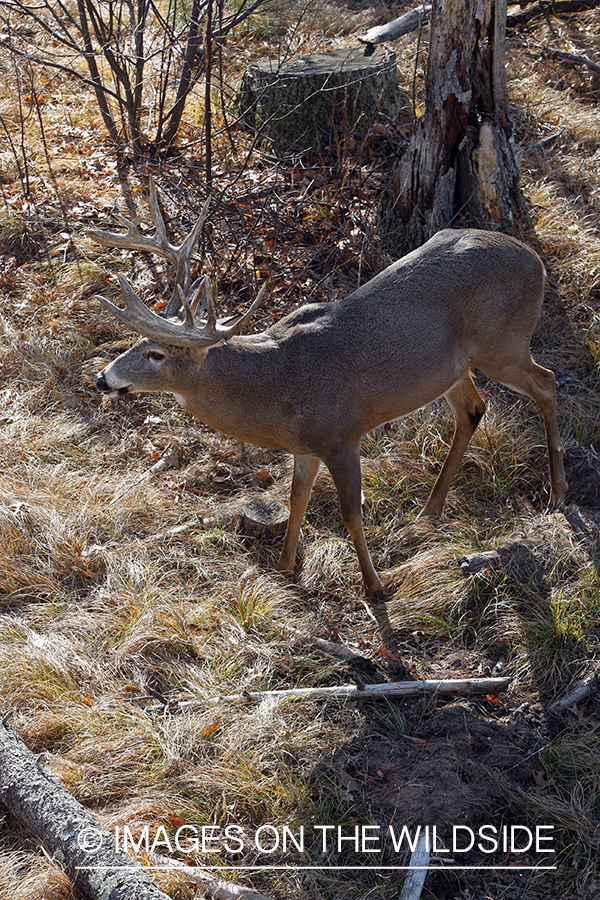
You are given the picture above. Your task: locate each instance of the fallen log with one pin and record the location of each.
(579, 693)
(66, 830)
(555, 9)
(419, 860)
(210, 886)
(460, 686)
(404, 24)
(339, 650)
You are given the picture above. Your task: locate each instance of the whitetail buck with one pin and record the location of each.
(322, 377)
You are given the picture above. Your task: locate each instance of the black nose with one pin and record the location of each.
(101, 382)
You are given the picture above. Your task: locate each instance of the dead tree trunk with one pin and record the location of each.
(461, 165)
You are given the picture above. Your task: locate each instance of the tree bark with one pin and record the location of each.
(66, 829)
(461, 166)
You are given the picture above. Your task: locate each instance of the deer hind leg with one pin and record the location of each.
(345, 470)
(305, 472)
(540, 384)
(468, 407)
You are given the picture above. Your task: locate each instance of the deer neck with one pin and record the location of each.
(233, 389)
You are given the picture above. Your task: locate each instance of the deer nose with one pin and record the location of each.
(101, 382)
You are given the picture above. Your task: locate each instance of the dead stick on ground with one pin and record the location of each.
(580, 692)
(461, 686)
(66, 830)
(219, 890)
(395, 29)
(419, 860)
(575, 59)
(339, 650)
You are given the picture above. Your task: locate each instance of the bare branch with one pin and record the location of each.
(395, 29)
(461, 686)
(576, 59)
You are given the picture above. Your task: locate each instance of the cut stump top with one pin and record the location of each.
(302, 103)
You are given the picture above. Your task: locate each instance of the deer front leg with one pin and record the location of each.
(305, 472)
(345, 470)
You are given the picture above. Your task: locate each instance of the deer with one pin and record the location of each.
(319, 379)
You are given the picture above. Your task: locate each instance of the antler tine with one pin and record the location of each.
(157, 218)
(189, 315)
(190, 240)
(211, 316)
(137, 316)
(184, 262)
(179, 256)
(196, 296)
(135, 240)
(243, 320)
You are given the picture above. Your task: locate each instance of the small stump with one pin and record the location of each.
(312, 101)
(263, 518)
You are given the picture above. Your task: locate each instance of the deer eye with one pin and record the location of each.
(156, 356)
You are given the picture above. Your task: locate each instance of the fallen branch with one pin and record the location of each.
(462, 686)
(558, 8)
(419, 860)
(579, 693)
(339, 650)
(212, 887)
(470, 563)
(404, 24)
(66, 830)
(575, 58)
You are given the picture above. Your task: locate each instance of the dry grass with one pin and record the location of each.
(125, 591)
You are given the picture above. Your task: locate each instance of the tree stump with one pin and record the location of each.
(263, 518)
(314, 101)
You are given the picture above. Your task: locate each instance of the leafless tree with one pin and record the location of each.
(124, 50)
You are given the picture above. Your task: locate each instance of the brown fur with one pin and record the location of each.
(322, 377)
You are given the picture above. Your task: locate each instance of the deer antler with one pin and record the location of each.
(187, 296)
(190, 332)
(180, 256)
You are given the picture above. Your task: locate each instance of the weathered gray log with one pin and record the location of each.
(553, 8)
(419, 860)
(470, 563)
(264, 518)
(461, 686)
(395, 29)
(210, 886)
(66, 830)
(311, 101)
(520, 556)
(339, 650)
(579, 693)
